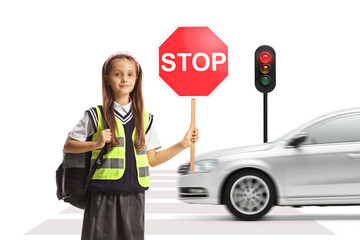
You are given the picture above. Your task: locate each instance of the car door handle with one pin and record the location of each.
(354, 156)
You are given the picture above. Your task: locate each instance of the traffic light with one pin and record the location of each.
(265, 69)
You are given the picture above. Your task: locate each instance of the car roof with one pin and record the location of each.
(340, 112)
(319, 119)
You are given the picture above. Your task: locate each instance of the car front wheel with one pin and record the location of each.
(249, 195)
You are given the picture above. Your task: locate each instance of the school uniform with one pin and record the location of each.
(115, 208)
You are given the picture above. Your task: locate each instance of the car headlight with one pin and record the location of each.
(204, 166)
(200, 166)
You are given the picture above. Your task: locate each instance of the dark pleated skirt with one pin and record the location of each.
(114, 216)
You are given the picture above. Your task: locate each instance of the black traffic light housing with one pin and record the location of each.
(265, 69)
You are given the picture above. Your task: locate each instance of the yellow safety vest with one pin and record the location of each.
(114, 165)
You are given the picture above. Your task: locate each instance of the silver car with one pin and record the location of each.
(317, 164)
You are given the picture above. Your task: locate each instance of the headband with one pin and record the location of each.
(123, 53)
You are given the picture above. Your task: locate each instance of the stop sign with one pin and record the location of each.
(193, 61)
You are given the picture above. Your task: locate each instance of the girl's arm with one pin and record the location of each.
(74, 146)
(156, 158)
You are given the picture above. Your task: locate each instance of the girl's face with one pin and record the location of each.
(122, 77)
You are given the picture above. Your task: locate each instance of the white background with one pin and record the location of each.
(51, 54)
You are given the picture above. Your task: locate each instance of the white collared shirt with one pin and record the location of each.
(123, 110)
(84, 128)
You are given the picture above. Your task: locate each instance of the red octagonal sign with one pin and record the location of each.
(193, 61)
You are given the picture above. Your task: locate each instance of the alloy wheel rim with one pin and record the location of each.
(249, 195)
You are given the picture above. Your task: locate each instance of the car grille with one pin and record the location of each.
(192, 192)
(183, 169)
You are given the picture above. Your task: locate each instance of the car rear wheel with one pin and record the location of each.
(249, 195)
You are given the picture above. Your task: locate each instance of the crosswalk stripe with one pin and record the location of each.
(163, 180)
(165, 175)
(161, 194)
(154, 171)
(162, 177)
(189, 224)
(167, 208)
(162, 184)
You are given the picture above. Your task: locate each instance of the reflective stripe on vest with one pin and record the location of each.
(114, 165)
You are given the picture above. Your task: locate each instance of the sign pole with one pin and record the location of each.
(192, 146)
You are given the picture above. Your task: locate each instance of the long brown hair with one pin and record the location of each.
(136, 98)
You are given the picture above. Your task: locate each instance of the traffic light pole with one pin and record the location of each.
(265, 118)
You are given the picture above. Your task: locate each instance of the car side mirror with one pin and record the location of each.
(298, 139)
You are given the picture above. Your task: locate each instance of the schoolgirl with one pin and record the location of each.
(115, 207)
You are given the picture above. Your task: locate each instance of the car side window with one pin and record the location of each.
(339, 130)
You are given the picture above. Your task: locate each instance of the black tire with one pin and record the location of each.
(249, 195)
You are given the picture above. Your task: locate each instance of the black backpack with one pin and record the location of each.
(73, 176)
